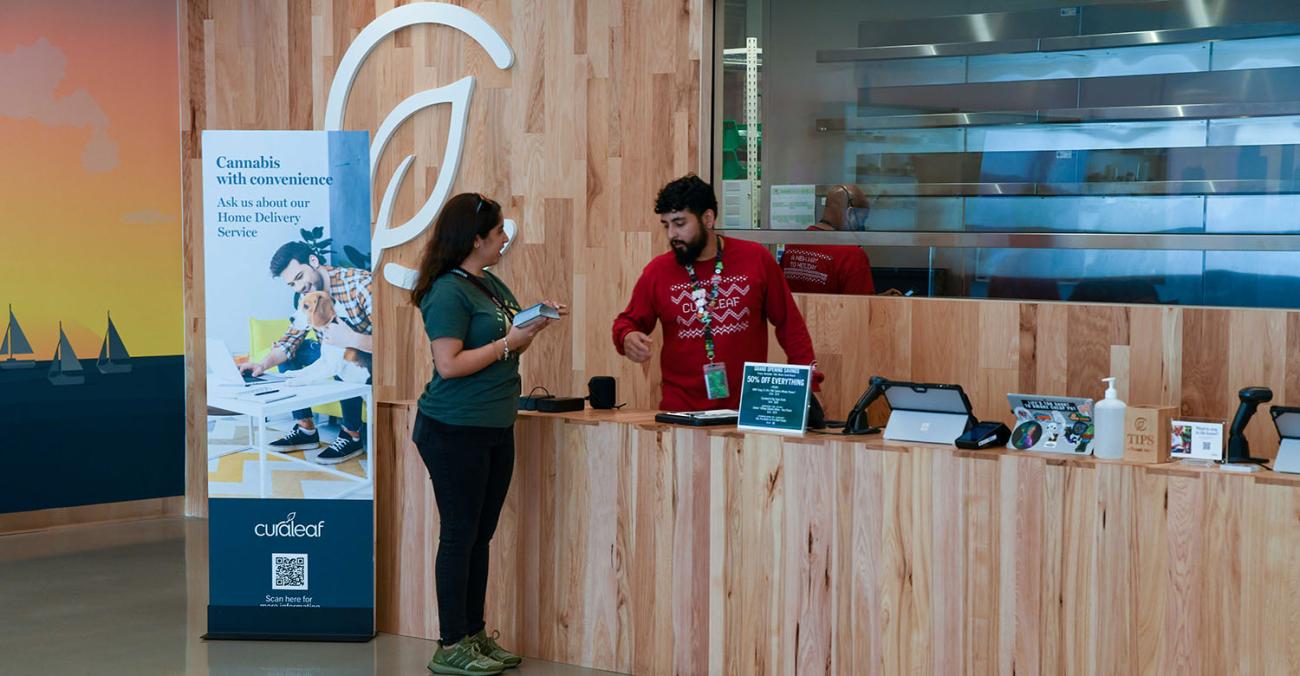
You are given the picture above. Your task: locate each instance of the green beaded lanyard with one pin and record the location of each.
(703, 308)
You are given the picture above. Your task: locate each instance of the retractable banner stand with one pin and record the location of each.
(289, 312)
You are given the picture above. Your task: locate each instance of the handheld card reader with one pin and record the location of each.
(710, 418)
(534, 313)
(984, 434)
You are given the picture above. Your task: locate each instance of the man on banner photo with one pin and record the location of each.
(298, 266)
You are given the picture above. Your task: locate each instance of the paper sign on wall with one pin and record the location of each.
(792, 207)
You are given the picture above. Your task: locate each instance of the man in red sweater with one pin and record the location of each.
(714, 297)
(828, 268)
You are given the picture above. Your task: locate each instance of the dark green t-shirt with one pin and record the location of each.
(456, 308)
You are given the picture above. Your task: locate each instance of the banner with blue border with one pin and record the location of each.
(289, 346)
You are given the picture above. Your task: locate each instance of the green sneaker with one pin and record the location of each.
(488, 646)
(464, 659)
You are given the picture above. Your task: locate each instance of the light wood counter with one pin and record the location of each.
(636, 547)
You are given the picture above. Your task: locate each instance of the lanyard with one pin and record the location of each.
(505, 309)
(703, 308)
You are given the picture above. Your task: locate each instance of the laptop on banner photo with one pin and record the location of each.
(223, 370)
(1051, 424)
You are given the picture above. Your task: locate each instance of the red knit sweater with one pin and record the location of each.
(753, 292)
(823, 268)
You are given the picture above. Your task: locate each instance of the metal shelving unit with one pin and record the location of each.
(1059, 44)
(981, 121)
(1029, 240)
(1145, 139)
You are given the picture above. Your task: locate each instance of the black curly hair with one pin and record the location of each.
(289, 252)
(689, 193)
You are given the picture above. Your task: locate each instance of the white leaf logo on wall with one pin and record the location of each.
(457, 94)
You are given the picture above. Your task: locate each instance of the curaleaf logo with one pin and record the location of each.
(457, 94)
(289, 529)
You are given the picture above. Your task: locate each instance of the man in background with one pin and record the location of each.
(826, 268)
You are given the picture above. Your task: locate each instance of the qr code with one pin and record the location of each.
(288, 571)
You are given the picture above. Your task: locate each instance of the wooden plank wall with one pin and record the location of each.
(601, 107)
(1197, 358)
(640, 549)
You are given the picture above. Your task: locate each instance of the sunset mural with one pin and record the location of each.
(90, 224)
(90, 173)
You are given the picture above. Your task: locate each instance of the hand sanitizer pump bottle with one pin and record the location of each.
(1109, 423)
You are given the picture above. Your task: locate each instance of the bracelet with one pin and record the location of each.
(505, 348)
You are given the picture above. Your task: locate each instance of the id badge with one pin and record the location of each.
(715, 381)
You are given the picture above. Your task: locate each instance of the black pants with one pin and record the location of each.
(470, 468)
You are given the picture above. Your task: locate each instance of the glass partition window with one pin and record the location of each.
(1149, 120)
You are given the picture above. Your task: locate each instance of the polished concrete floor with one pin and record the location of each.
(131, 598)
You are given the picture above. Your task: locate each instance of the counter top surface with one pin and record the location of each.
(638, 547)
(645, 419)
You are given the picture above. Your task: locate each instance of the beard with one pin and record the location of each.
(687, 252)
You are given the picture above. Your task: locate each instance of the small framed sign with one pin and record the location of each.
(1196, 440)
(774, 397)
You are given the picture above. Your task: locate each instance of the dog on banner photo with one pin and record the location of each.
(316, 311)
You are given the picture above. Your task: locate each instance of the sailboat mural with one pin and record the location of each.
(15, 343)
(113, 357)
(65, 369)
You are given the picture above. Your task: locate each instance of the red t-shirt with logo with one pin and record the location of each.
(752, 293)
(823, 268)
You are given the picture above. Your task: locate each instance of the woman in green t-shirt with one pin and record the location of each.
(465, 429)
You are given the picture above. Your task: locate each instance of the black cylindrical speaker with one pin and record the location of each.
(600, 392)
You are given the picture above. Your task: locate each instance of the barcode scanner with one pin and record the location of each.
(1238, 445)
